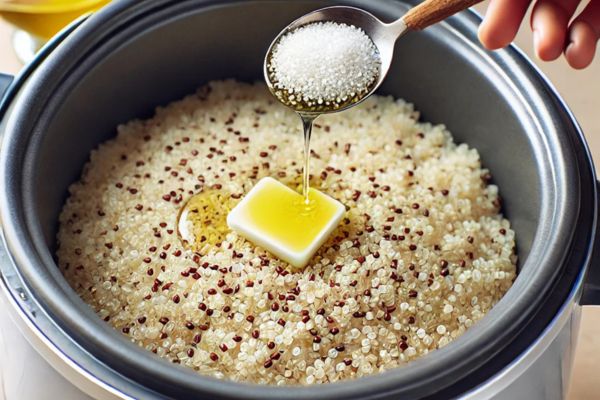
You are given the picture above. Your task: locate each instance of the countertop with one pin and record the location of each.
(581, 90)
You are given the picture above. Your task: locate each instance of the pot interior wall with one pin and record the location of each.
(441, 75)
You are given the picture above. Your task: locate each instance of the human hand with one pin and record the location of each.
(554, 31)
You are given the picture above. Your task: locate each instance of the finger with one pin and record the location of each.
(501, 22)
(549, 22)
(584, 33)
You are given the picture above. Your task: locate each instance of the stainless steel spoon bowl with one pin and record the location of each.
(382, 34)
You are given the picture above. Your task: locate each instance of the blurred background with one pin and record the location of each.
(26, 24)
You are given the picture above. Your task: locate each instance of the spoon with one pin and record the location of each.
(383, 35)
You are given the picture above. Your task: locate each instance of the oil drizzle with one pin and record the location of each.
(202, 221)
(307, 124)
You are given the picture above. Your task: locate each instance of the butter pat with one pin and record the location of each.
(278, 219)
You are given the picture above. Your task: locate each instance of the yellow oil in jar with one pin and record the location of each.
(45, 18)
(284, 214)
(202, 221)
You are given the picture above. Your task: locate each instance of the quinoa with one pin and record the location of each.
(421, 254)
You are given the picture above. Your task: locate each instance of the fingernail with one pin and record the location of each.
(536, 41)
(572, 41)
(575, 32)
(569, 47)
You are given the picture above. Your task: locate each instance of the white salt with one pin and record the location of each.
(325, 62)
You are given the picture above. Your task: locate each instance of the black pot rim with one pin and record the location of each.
(561, 148)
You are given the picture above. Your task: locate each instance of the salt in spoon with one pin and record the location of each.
(383, 35)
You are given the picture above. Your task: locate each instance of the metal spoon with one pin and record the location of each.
(383, 35)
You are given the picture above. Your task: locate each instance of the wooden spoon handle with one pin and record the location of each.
(431, 11)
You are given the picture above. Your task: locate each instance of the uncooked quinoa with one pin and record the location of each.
(420, 256)
(323, 64)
